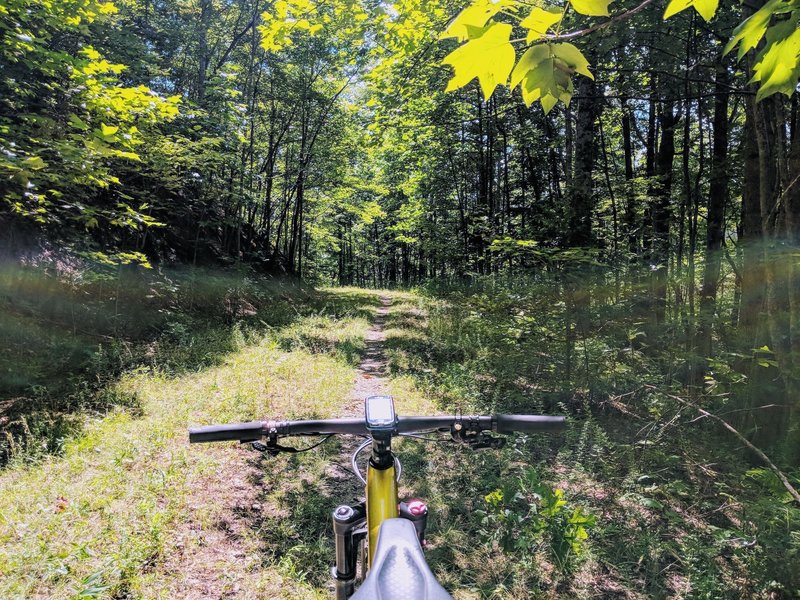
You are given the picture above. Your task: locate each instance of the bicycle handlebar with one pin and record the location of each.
(527, 423)
(233, 432)
(255, 430)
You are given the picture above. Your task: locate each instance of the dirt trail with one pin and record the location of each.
(205, 545)
(371, 379)
(373, 370)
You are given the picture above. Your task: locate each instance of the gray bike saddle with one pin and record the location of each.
(399, 570)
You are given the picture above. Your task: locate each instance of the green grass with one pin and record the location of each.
(105, 517)
(124, 507)
(69, 336)
(100, 519)
(125, 480)
(678, 514)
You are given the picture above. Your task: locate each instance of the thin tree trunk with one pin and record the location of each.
(580, 222)
(717, 199)
(661, 192)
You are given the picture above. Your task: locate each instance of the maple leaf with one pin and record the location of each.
(704, 8)
(539, 21)
(489, 57)
(473, 18)
(591, 8)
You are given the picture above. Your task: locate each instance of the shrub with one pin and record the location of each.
(526, 514)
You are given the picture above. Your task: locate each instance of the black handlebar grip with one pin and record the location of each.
(235, 432)
(528, 423)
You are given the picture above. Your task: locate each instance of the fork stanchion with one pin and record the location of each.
(346, 519)
(416, 511)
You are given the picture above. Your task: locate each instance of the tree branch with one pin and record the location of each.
(615, 19)
(234, 42)
(765, 459)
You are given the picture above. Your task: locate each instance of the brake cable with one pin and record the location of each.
(354, 462)
(439, 440)
(273, 448)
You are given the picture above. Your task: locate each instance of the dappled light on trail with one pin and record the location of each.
(127, 491)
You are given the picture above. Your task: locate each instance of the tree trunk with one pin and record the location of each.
(580, 221)
(660, 193)
(203, 56)
(630, 194)
(717, 199)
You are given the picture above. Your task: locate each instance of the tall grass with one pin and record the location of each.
(682, 511)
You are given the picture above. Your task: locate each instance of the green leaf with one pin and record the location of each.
(548, 102)
(77, 122)
(778, 69)
(751, 30)
(541, 78)
(474, 17)
(108, 130)
(592, 8)
(529, 60)
(650, 503)
(34, 163)
(539, 21)
(489, 57)
(705, 8)
(573, 58)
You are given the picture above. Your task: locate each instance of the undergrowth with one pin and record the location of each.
(677, 508)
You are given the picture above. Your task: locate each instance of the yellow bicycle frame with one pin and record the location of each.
(382, 502)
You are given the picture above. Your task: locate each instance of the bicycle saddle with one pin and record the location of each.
(399, 570)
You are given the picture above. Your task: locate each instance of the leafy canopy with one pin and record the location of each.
(544, 70)
(63, 166)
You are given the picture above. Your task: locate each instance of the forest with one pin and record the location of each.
(588, 208)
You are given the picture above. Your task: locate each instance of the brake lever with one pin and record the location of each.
(273, 449)
(474, 438)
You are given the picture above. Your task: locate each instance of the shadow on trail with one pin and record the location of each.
(296, 496)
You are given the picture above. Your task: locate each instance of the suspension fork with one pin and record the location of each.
(349, 531)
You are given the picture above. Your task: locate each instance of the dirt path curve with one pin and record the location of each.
(372, 373)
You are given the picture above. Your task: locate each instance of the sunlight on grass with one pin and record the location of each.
(99, 520)
(132, 510)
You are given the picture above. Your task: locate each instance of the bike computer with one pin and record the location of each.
(379, 413)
